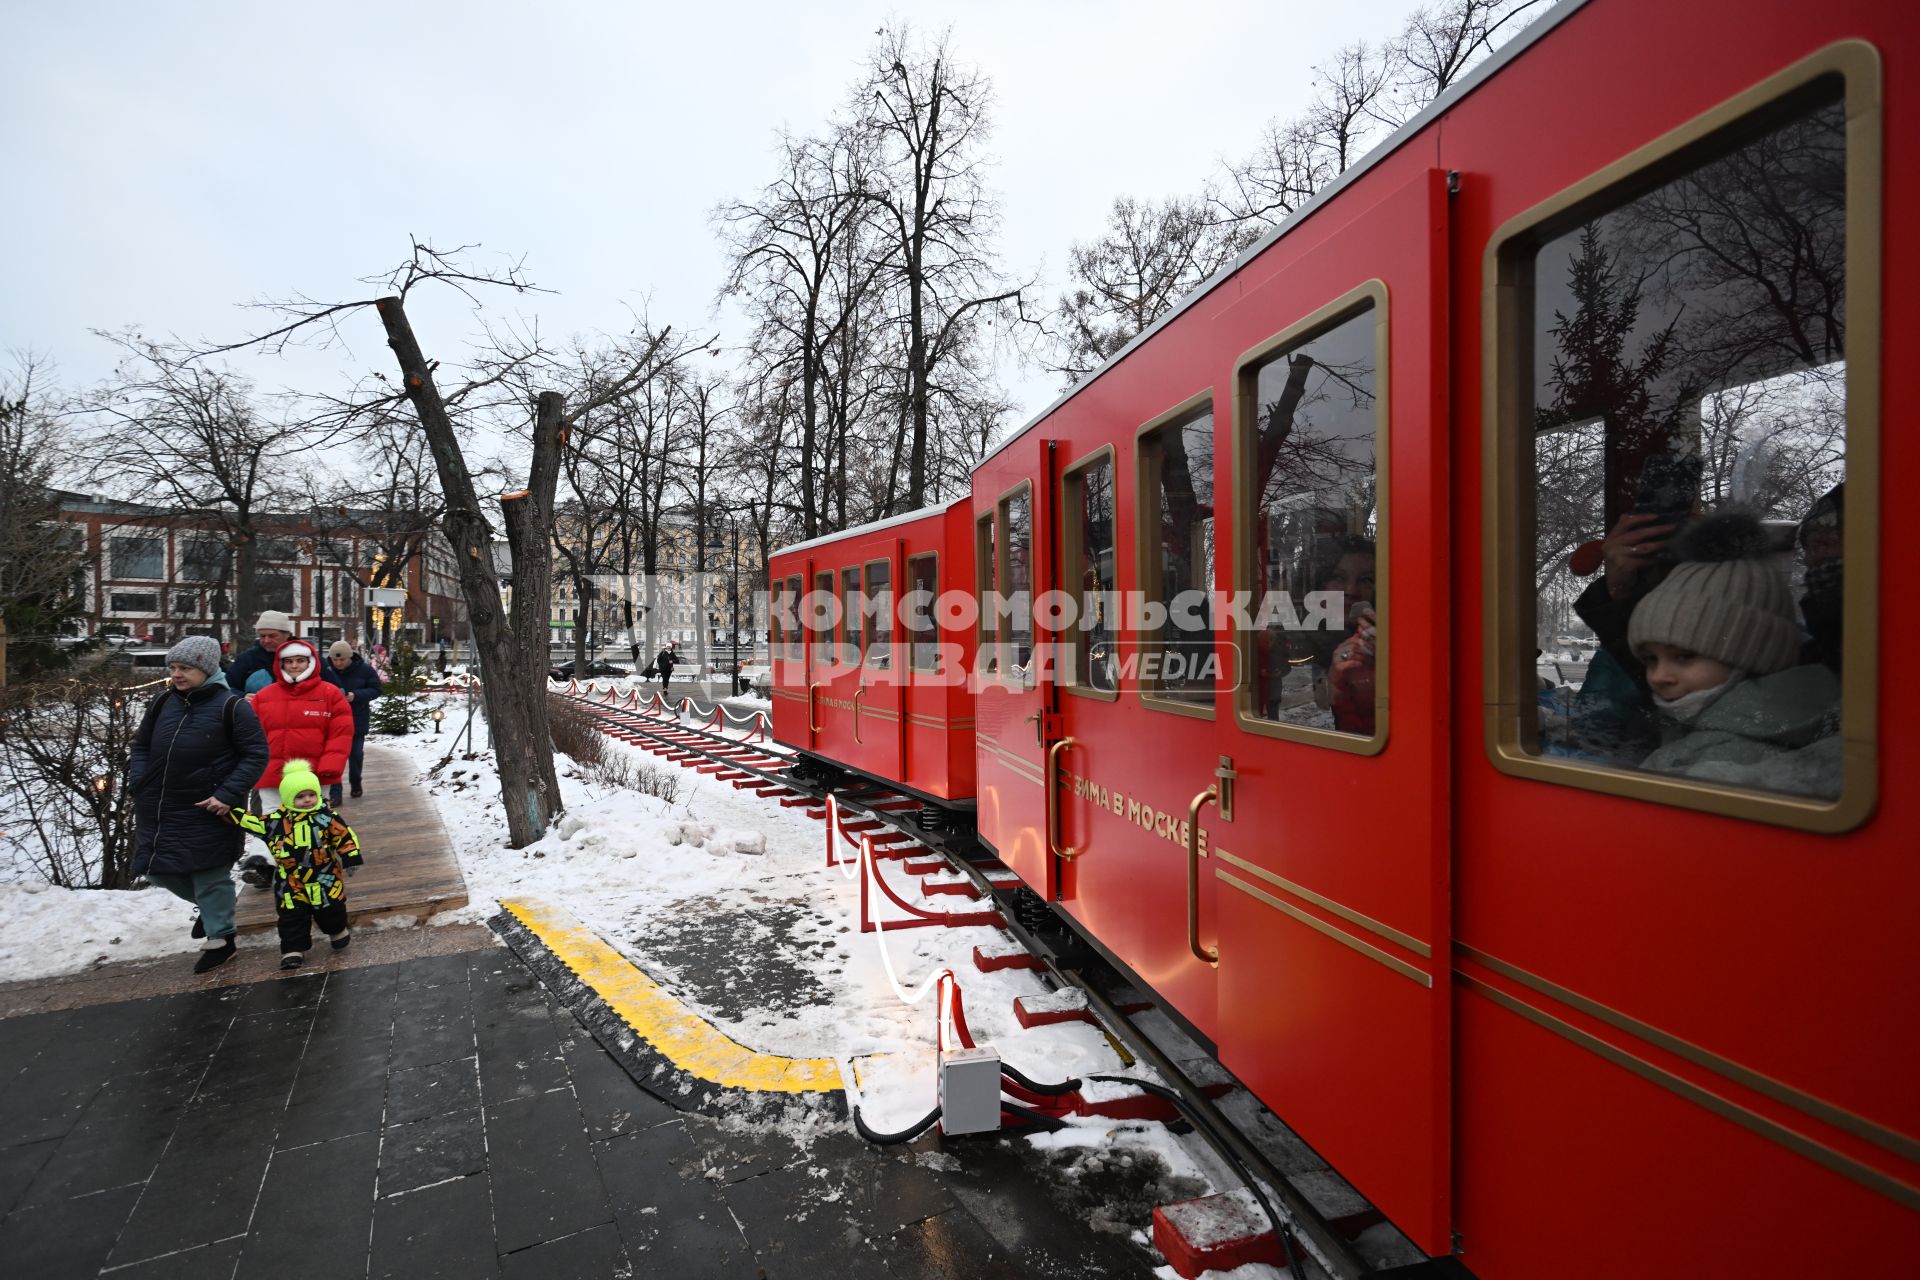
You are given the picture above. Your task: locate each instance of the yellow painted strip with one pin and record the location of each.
(683, 1037)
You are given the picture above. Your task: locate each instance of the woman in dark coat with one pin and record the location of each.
(197, 753)
(354, 676)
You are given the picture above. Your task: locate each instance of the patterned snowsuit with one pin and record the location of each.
(311, 853)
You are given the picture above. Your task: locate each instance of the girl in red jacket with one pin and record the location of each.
(305, 718)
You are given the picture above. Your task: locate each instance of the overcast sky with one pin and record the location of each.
(163, 163)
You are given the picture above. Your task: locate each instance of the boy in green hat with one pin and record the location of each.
(313, 854)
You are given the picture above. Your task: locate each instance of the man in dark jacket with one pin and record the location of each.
(273, 630)
(355, 677)
(197, 754)
(665, 664)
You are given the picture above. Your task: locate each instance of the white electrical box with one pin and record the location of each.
(970, 1090)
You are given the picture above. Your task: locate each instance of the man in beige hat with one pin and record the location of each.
(273, 630)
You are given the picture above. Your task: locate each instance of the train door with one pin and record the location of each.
(877, 694)
(1324, 812)
(1012, 570)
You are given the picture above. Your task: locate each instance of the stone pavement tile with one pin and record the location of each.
(798, 1223)
(315, 1209)
(594, 1254)
(729, 1155)
(257, 1074)
(431, 1024)
(435, 972)
(111, 1151)
(42, 1103)
(207, 1262)
(437, 1233)
(423, 1152)
(696, 1241)
(414, 1093)
(19, 1166)
(949, 1246)
(302, 990)
(67, 1239)
(204, 1186)
(544, 1179)
(653, 1170)
(609, 1099)
(321, 1114)
(882, 1192)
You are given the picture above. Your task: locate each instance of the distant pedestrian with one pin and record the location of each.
(664, 664)
(304, 717)
(198, 750)
(314, 853)
(251, 671)
(360, 683)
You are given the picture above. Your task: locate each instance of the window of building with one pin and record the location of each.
(879, 602)
(278, 551)
(1309, 443)
(138, 556)
(147, 602)
(185, 604)
(275, 591)
(1178, 666)
(923, 590)
(1675, 347)
(1087, 540)
(203, 560)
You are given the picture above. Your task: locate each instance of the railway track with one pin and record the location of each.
(900, 828)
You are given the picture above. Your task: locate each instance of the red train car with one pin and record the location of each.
(1570, 981)
(877, 690)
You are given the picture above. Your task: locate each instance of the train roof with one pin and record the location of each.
(1560, 12)
(874, 526)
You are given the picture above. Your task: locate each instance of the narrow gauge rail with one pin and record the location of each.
(890, 819)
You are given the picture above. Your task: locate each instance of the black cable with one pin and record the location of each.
(1038, 1119)
(1280, 1229)
(1020, 1078)
(892, 1139)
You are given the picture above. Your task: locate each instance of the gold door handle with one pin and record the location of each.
(813, 724)
(1053, 800)
(858, 693)
(1039, 739)
(1209, 954)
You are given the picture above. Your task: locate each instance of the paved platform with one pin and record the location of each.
(410, 869)
(446, 1117)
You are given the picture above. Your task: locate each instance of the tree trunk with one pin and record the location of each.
(512, 665)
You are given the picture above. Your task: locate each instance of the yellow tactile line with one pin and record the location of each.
(681, 1036)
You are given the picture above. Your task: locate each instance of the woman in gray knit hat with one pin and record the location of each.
(1721, 643)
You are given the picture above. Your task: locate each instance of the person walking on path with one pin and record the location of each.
(305, 718)
(664, 664)
(314, 853)
(252, 671)
(356, 678)
(198, 750)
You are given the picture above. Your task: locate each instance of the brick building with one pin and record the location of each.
(152, 572)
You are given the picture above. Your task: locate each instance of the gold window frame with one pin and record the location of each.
(933, 621)
(1146, 542)
(1507, 359)
(1372, 294)
(1070, 507)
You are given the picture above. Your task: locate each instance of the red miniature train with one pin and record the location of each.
(1384, 810)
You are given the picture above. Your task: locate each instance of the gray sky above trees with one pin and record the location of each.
(165, 163)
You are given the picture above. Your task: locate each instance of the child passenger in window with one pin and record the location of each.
(1721, 641)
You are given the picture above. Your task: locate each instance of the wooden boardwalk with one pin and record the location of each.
(410, 869)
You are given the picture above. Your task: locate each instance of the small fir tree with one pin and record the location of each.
(401, 709)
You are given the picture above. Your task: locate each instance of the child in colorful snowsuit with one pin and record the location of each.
(313, 854)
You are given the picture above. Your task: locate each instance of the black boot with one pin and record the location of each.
(199, 929)
(291, 960)
(216, 957)
(356, 791)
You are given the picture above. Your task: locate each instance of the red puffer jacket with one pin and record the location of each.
(311, 720)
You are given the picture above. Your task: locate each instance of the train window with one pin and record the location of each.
(795, 643)
(1682, 561)
(1016, 584)
(853, 613)
(776, 633)
(820, 618)
(988, 661)
(1310, 438)
(1177, 661)
(1087, 536)
(879, 603)
(923, 589)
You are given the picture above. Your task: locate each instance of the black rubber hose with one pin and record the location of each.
(1280, 1229)
(893, 1139)
(1039, 1120)
(1020, 1078)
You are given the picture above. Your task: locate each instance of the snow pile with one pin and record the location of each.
(53, 931)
